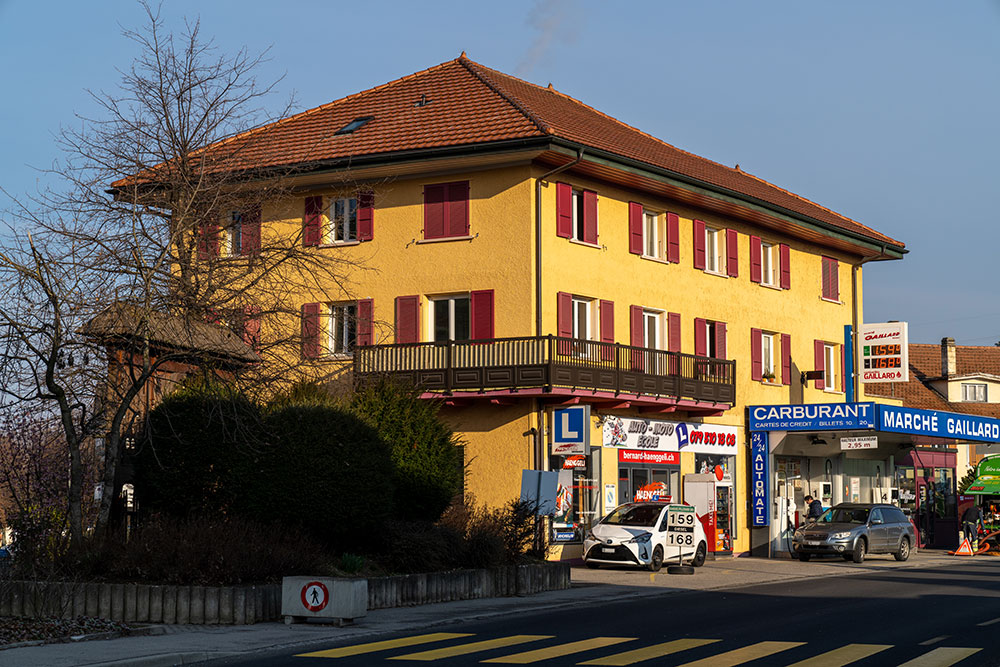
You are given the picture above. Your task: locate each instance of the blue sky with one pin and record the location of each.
(886, 112)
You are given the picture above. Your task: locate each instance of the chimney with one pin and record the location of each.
(947, 357)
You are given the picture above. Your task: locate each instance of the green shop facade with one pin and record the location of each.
(861, 452)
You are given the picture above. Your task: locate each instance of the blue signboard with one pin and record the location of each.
(759, 482)
(571, 430)
(934, 423)
(815, 417)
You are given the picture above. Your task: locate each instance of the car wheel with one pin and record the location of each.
(903, 552)
(859, 550)
(699, 555)
(656, 562)
(591, 564)
(805, 557)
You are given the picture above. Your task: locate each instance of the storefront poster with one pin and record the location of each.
(759, 491)
(564, 517)
(719, 466)
(610, 497)
(667, 436)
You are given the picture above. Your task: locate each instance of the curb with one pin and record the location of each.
(139, 631)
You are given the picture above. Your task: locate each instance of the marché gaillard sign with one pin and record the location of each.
(812, 417)
(934, 423)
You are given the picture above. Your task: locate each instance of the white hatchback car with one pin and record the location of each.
(636, 534)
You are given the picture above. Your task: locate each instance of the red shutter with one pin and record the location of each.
(786, 269)
(700, 337)
(251, 327)
(755, 268)
(732, 254)
(564, 320)
(756, 354)
(407, 319)
(434, 211)
(636, 338)
(786, 359)
(635, 228)
(311, 221)
(458, 209)
(674, 332)
(564, 210)
(720, 340)
(250, 232)
(673, 238)
(699, 244)
(834, 280)
(608, 330)
(843, 380)
(589, 217)
(310, 330)
(481, 314)
(366, 216)
(208, 240)
(366, 311)
(818, 362)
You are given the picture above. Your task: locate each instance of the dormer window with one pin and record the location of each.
(355, 124)
(973, 392)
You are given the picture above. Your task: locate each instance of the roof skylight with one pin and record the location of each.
(355, 124)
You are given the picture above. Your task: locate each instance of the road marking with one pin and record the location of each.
(465, 649)
(559, 651)
(995, 620)
(844, 655)
(372, 647)
(941, 657)
(650, 652)
(934, 640)
(745, 654)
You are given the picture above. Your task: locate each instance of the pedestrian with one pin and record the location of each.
(814, 509)
(972, 519)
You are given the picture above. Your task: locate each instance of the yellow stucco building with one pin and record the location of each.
(517, 253)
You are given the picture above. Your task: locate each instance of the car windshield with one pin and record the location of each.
(633, 515)
(845, 515)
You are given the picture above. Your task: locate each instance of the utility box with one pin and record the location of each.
(339, 600)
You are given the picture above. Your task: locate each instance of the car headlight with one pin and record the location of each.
(841, 536)
(641, 537)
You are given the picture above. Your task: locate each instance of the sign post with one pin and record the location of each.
(680, 531)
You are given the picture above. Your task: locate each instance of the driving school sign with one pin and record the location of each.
(667, 436)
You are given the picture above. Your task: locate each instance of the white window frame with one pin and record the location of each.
(338, 228)
(341, 328)
(715, 250)
(652, 235)
(768, 264)
(977, 391)
(232, 235)
(451, 300)
(652, 318)
(767, 357)
(584, 311)
(831, 360)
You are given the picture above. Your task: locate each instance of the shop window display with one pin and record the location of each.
(577, 496)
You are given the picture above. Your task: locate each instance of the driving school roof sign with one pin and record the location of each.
(815, 417)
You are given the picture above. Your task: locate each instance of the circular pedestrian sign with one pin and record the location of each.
(315, 596)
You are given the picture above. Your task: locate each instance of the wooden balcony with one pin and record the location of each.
(556, 368)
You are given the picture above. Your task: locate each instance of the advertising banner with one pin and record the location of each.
(667, 436)
(813, 417)
(759, 492)
(883, 352)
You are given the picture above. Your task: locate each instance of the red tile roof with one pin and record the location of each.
(925, 367)
(467, 104)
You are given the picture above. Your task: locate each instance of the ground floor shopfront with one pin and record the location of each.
(854, 452)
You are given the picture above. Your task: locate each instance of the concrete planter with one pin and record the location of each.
(241, 605)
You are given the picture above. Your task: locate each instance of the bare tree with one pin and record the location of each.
(113, 280)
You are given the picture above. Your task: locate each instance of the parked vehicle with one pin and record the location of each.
(853, 530)
(636, 534)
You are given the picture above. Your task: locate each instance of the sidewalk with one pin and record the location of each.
(188, 644)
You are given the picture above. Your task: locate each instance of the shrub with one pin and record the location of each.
(420, 546)
(425, 452)
(194, 441)
(325, 470)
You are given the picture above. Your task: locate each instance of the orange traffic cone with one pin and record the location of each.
(964, 550)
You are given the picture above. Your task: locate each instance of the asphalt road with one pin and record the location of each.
(926, 617)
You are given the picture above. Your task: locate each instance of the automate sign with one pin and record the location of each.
(818, 417)
(666, 436)
(951, 425)
(883, 352)
(759, 483)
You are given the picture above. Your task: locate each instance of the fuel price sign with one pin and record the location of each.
(883, 353)
(680, 525)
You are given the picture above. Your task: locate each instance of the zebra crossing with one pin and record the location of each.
(537, 649)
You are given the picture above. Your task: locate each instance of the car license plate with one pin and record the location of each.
(607, 550)
(813, 543)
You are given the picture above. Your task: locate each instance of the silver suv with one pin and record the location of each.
(853, 530)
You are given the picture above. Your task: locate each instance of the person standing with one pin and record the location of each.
(815, 509)
(972, 519)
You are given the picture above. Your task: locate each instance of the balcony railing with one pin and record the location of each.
(547, 362)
